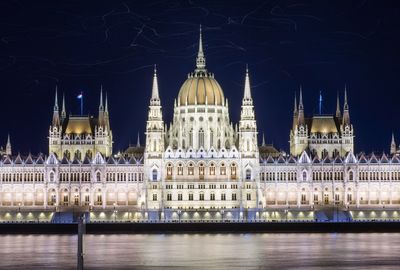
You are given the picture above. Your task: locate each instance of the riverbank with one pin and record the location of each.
(212, 227)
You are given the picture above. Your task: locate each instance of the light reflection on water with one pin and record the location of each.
(204, 251)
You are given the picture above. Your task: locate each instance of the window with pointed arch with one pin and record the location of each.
(248, 174)
(222, 169)
(51, 176)
(98, 177)
(190, 169)
(78, 154)
(201, 170)
(180, 169)
(191, 138)
(169, 171)
(211, 138)
(212, 169)
(304, 176)
(154, 175)
(233, 171)
(201, 138)
(351, 176)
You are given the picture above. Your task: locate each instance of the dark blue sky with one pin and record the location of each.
(79, 45)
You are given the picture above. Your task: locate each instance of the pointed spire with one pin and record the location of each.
(338, 113)
(200, 60)
(247, 92)
(63, 112)
(301, 108)
(346, 113)
(8, 146)
(295, 104)
(106, 104)
(101, 106)
(263, 140)
(56, 100)
(345, 105)
(155, 97)
(393, 149)
(56, 116)
(138, 140)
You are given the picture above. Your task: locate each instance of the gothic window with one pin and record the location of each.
(222, 169)
(180, 169)
(211, 137)
(190, 169)
(248, 174)
(154, 175)
(351, 176)
(51, 177)
(219, 144)
(201, 169)
(67, 154)
(324, 153)
(169, 170)
(191, 138)
(201, 138)
(89, 154)
(98, 177)
(227, 145)
(212, 169)
(233, 170)
(304, 176)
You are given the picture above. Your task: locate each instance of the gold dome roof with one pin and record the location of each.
(198, 87)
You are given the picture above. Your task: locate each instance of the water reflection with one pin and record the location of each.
(202, 251)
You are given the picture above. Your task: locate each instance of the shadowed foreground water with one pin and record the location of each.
(204, 251)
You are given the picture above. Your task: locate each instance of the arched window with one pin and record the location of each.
(304, 176)
(98, 177)
(154, 175)
(351, 176)
(233, 170)
(67, 154)
(201, 138)
(190, 169)
(219, 144)
(51, 177)
(248, 174)
(183, 144)
(211, 138)
(191, 138)
(78, 154)
(227, 144)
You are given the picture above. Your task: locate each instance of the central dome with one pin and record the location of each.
(200, 87)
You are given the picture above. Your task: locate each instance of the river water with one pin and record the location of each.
(204, 251)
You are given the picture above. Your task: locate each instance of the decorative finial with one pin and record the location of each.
(200, 60)
(247, 90)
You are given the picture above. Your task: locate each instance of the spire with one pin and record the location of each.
(138, 140)
(247, 92)
(101, 106)
(106, 104)
(155, 97)
(295, 112)
(56, 116)
(8, 146)
(338, 113)
(346, 113)
(63, 112)
(295, 104)
(263, 140)
(200, 60)
(56, 100)
(393, 149)
(301, 108)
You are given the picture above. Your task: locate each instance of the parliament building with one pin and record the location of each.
(201, 166)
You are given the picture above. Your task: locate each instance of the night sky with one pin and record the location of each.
(79, 45)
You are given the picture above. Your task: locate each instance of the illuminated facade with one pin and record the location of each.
(201, 166)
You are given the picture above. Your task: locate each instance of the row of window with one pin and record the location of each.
(191, 197)
(201, 186)
(22, 177)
